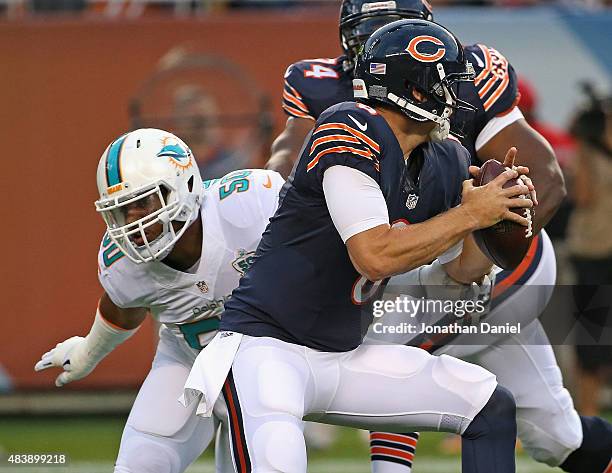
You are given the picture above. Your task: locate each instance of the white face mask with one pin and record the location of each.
(440, 131)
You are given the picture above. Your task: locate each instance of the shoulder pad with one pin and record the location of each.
(495, 80)
(119, 276)
(347, 130)
(245, 197)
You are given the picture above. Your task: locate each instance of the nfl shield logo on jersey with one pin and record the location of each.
(412, 201)
(202, 286)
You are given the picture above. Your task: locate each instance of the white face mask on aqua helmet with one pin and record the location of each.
(153, 170)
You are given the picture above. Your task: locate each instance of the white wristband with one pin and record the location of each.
(104, 338)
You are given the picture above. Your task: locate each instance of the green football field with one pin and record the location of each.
(91, 444)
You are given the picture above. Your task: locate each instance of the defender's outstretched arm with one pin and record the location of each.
(78, 356)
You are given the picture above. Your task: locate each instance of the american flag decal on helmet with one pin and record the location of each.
(378, 68)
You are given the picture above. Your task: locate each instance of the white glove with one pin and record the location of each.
(78, 356)
(71, 356)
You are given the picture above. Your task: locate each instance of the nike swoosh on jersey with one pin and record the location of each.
(361, 126)
(478, 60)
(268, 183)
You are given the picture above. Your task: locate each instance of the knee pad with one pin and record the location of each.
(279, 448)
(548, 425)
(143, 456)
(271, 380)
(470, 383)
(551, 435)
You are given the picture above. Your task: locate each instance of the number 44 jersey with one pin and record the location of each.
(235, 212)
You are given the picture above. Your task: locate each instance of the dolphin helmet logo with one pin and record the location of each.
(178, 154)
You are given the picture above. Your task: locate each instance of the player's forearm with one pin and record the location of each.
(281, 162)
(550, 185)
(78, 356)
(285, 149)
(104, 337)
(471, 265)
(390, 251)
(126, 319)
(537, 154)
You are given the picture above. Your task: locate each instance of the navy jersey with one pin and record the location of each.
(302, 287)
(494, 92)
(313, 86)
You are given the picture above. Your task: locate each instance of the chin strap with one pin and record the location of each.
(441, 131)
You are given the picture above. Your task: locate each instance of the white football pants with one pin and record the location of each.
(161, 436)
(274, 385)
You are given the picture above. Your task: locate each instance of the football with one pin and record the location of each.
(505, 243)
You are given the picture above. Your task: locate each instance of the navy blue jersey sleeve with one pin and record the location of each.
(495, 81)
(294, 104)
(311, 86)
(344, 137)
(463, 162)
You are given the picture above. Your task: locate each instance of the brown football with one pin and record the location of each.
(505, 243)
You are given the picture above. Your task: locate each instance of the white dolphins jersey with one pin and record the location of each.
(235, 212)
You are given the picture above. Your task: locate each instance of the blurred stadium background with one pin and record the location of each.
(77, 73)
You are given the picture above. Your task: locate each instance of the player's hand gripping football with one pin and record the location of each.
(70, 355)
(491, 203)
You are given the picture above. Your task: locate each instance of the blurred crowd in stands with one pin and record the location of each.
(588, 239)
(581, 229)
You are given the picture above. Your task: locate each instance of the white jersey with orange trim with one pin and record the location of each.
(235, 212)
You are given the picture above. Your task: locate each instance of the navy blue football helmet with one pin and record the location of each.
(360, 18)
(409, 55)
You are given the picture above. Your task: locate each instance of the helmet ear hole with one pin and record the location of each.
(164, 194)
(190, 184)
(415, 92)
(418, 95)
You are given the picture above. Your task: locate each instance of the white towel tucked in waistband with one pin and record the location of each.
(209, 372)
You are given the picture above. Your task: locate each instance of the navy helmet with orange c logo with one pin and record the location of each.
(409, 55)
(360, 18)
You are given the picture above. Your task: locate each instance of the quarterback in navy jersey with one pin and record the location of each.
(302, 234)
(289, 347)
(574, 443)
